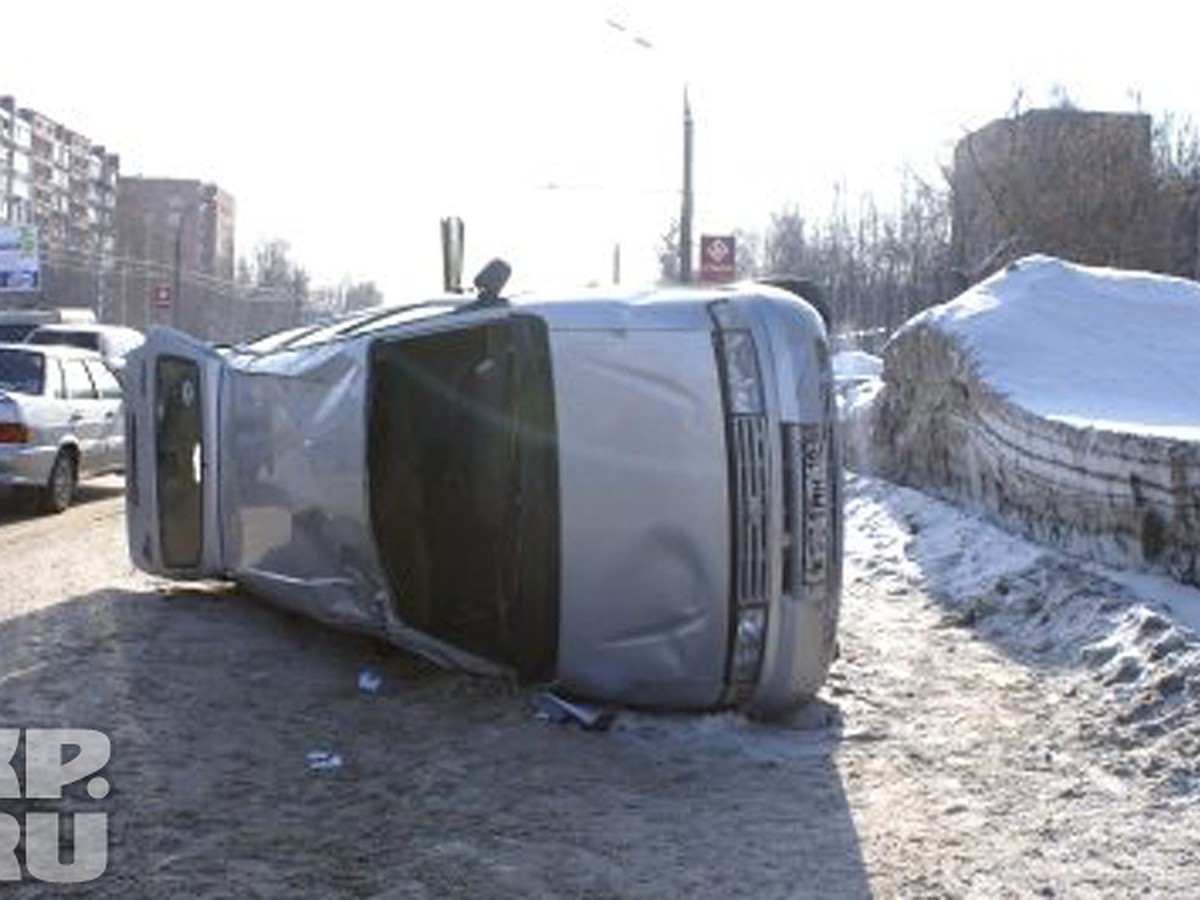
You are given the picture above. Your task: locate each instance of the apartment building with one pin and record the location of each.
(183, 224)
(175, 243)
(59, 180)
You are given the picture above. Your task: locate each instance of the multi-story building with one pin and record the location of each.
(177, 222)
(62, 182)
(176, 238)
(1080, 185)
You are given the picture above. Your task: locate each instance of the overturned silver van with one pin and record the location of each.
(636, 498)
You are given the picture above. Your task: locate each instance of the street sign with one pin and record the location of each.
(160, 296)
(718, 257)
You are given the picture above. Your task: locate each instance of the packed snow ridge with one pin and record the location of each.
(1091, 347)
(1061, 400)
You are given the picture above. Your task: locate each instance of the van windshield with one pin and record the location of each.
(463, 487)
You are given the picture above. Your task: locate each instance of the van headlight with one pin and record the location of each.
(748, 643)
(743, 381)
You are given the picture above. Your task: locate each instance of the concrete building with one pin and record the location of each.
(1074, 184)
(176, 238)
(59, 180)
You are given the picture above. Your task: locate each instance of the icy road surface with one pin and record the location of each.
(1003, 722)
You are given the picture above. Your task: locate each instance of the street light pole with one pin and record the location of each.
(685, 212)
(687, 209)
(177, 280)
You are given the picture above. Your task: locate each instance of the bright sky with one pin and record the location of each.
(350, 128)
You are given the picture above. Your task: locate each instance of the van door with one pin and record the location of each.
(172, 466)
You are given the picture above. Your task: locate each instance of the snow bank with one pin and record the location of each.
(1061, 399)
(1132, 637)
(1095, 348)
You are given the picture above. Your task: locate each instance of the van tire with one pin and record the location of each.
(60, 489)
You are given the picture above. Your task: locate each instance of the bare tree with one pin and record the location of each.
(668, 255)
(363, 295)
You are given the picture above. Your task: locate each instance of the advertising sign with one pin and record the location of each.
(718, 257)
(18, 258)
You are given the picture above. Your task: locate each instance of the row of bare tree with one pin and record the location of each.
(878, 267)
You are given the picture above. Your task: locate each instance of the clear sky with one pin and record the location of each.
(349, 128)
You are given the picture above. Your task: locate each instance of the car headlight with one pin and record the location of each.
(743, 381)
(748, 643)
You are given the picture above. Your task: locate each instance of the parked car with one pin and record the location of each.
(16, 324)
(60, 420)
(636, 498)
(112, 342)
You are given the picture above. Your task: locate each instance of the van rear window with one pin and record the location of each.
(84, 340)
(22, 371)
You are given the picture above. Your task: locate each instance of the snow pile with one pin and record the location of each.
(1095, 348)
(1061, 399)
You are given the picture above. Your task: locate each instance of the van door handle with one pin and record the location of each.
(76, 416)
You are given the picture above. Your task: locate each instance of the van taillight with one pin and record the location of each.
(14, 433)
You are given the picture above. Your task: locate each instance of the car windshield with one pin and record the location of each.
(84, 340)
(22, 371)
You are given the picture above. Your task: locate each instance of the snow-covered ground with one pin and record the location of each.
(1094, 349)
(984, 734)
(1004, 721)
(1134, 637)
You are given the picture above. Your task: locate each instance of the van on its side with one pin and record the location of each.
(635, 497)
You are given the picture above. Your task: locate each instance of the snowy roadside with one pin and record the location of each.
(1126, 640)
(1129, 638)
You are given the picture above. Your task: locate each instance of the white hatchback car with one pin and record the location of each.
(60, 420)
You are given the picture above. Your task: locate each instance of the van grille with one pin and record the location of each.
(751, 491)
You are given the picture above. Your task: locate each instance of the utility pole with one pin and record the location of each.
(685, 213)
(177, 271)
